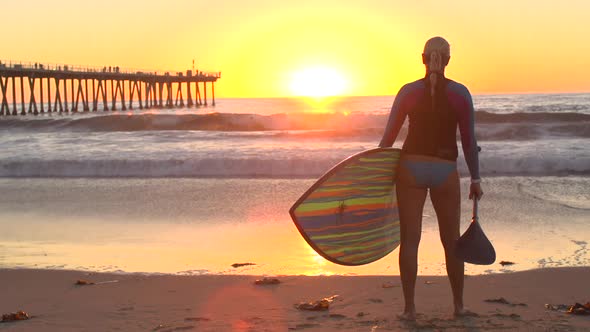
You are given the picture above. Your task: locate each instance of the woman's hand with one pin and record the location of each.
(475, 191)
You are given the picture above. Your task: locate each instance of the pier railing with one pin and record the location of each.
(9, 64)
(94, 88)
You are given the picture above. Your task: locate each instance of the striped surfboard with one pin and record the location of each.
(349, 216)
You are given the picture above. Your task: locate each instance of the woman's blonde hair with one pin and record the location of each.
(436, 55)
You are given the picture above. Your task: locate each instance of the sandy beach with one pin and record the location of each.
(136, 302)
(142, 190)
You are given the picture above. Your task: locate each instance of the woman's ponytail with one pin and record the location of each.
(434, 66)
(437, 52)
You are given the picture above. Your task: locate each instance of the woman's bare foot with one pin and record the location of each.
(407, 316)
(464, 313)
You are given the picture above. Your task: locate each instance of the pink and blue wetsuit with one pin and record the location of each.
(433, 125)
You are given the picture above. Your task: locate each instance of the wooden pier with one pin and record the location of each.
(38, 88)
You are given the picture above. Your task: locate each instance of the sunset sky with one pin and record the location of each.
(275, 48)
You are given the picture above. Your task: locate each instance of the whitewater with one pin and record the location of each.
(540, 135)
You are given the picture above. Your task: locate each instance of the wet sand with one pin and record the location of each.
(204, 225)
(139, 302)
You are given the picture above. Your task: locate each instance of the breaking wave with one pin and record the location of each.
(505, 165)
(490, 126)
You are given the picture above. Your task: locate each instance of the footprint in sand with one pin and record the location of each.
(337, 316)
(513, 316)
(197, 319)
(502, 300)
(162, 328)
(127, 309)
(375, 300)
(303, 326)
(254, 320)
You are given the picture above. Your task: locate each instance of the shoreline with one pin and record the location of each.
(236, 273)
(137, 302)
(176, 225)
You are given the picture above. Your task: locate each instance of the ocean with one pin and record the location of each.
(194, 190)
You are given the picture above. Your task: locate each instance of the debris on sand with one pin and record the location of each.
(236, 265)
(504, 263)
(81, 282)
(159, 327)
(576, 309)
(267, 281)
(557, 307)
(579, 309)
(320, 305)
(502, 300)
(389, 284)
(498, 300)
(14, 316)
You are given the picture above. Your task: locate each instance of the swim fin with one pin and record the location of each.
(473, 246)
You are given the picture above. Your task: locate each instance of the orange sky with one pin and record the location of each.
(261, 46)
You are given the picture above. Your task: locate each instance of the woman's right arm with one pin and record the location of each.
(396, 119)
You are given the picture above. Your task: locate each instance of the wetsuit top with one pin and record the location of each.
(433, 121)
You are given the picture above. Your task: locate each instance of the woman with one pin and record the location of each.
(435, 107)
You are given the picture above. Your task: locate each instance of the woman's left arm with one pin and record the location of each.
(466, 117)
(468, 142)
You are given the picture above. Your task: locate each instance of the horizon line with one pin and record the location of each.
(393, 95)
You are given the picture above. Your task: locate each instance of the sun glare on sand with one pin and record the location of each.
(318, 82)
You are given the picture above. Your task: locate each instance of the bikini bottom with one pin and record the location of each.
(427, 174)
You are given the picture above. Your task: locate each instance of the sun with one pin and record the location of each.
(318, 82)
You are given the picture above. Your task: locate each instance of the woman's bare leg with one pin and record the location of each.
(446, 200)
(410, 204)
